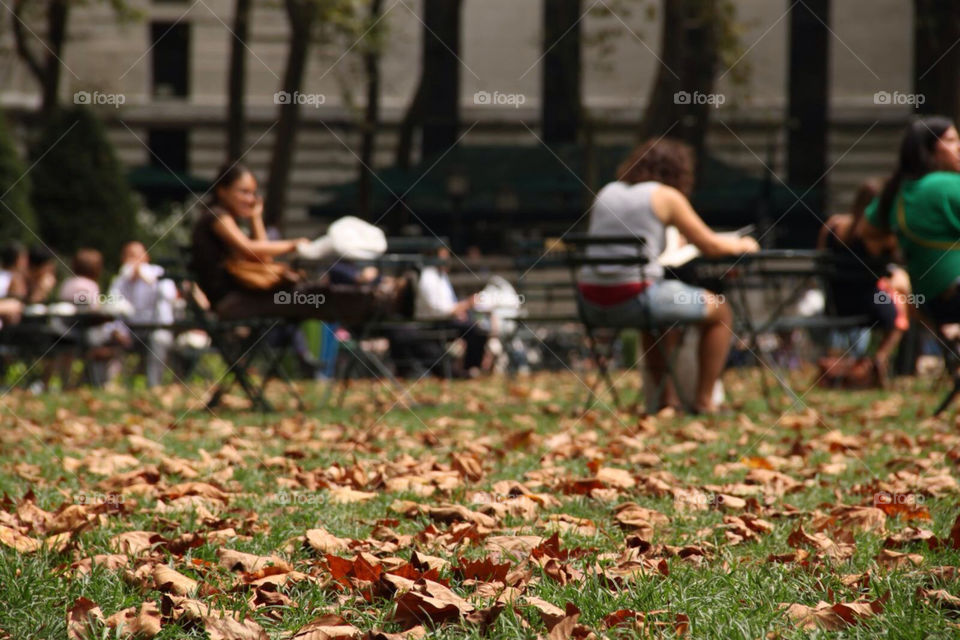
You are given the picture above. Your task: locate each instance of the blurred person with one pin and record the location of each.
(860, 289)
(41, 274)
(436, 300)
(220, 244)
(104, 340)
(83, 287)
(14, 264)
(151, 299)
(649, 195)
(920, 203)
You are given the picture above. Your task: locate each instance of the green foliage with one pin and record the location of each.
(16, 214)
(80, 193)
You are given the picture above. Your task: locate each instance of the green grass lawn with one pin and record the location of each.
(735, 518)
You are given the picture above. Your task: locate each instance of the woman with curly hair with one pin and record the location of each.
(649, 195)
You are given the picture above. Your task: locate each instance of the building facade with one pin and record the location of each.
(161, 80)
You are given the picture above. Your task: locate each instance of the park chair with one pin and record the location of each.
(601, 338)
(241, 343)
(948, 337)
(405, 257)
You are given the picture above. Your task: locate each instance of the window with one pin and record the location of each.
(171, 59)
(169, 149)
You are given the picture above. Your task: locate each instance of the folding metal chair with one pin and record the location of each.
(601, 350)
(240, 343)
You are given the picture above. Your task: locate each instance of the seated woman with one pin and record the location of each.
(920, 202)
(219, 240)
(864, 288)
(649, 195)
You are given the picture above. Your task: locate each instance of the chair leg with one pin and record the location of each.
(951, 363)
(602, 360)
(949, 398)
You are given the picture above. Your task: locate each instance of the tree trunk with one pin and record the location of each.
(809, 95)
(936, 59)
(57, 15)
(683, 94)
(560, 105)
(441, 65)
(301, 15)
(411, 119)
(371, 121)
(47, 70)
(236, 86)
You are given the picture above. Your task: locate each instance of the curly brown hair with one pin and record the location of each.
(663, 160)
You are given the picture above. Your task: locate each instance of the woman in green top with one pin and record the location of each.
(920, 202)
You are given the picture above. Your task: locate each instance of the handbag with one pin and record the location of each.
(256, 275)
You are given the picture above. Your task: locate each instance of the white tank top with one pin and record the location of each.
(623, 209)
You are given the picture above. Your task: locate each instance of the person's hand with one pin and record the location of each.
(749, 245)
(257, 210)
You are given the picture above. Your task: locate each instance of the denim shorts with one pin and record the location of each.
(663, 302)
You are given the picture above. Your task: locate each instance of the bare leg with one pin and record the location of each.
(715, 336)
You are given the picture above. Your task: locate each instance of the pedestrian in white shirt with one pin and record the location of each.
(436, 300)
(150, 298)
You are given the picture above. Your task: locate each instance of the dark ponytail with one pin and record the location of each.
(917, 151)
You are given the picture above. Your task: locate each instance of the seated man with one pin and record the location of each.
(436, 300)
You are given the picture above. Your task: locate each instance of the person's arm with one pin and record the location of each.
(672, 207)
(10, 310)
(18, 286)
(258, 231)
(834, 226)
(231, 233)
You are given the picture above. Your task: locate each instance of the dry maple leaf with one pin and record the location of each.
(939, 597)
(896, 560)
(247, 562)
(824, 545)
(16, 540)
(847, 519)
(429, 602)
(325, 542)
(833, 617)
(346, 495)
(328, 627)
(902, 506)
(144, 622)
(82, 615)
(219, 625)
(172, 581)
(134, 543)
